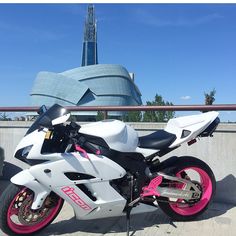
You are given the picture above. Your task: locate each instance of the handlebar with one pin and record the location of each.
(77, 139)
(88, 146)
(91, 148)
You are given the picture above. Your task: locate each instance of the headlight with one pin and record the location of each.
(22, 153)
(26, 151)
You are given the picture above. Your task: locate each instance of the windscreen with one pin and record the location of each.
(45, 119)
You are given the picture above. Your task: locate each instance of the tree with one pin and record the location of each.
(100, 116)
(3, 116)
(133, 116)
(210, 97)
(158, 116)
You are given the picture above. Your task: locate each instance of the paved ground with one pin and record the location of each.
(220, 219)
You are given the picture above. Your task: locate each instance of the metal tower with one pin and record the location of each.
(89, 56)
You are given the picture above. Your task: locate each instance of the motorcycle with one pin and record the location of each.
(103, 169)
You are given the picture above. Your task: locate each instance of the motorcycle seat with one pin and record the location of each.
(157, 140)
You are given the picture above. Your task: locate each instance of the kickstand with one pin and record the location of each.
(128, 219)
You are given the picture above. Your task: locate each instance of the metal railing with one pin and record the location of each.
(106, 109)
(218, 107)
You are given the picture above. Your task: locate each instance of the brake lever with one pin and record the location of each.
(81, 150)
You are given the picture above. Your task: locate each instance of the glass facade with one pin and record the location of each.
(95, 85)
(89, 55)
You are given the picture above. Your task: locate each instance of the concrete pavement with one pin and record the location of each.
(220, 219)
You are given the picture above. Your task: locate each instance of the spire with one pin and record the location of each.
(90, 25)
(89, 56)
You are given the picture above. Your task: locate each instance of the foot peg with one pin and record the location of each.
(151, 189)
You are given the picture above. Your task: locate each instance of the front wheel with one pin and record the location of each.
(200, 174)
(16, 215)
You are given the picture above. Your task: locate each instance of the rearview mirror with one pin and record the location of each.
(42, 110)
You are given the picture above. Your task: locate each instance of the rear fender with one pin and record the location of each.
(25, 178)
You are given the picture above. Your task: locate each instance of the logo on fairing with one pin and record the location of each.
(70, 192)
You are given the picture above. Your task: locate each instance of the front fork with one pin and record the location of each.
(25, 178)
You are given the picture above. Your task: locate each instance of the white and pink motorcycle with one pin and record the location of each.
(104, 169)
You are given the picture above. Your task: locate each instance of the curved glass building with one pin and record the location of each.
(92, 84)
(95, 85)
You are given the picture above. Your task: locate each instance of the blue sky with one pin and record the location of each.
(179, 51)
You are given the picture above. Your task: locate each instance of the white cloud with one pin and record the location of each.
(185, 97)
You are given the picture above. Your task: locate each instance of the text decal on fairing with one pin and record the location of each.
(70, 192)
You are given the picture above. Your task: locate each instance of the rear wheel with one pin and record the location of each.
(16, 215)
(202, 176)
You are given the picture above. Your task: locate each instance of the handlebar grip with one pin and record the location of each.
(91, 148)
(75, 126)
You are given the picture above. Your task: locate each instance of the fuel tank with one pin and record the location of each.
(118, 135)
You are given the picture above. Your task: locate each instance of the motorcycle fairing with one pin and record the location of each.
(195, 124)
(51, 176)
(26, 179)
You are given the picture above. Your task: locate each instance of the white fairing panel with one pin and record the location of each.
(195, 124)
(35, 139)
(118, 135)
(107, 203)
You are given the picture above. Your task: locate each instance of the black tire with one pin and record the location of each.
(6, 200)
(182, 163)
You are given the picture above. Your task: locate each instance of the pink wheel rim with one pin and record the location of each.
(206, 185)
(28, 229)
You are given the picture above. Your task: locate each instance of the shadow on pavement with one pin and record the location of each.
(103, 226)
(139, 221)
(226, 190)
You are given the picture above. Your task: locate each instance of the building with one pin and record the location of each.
(91, 84)
(89, 55)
